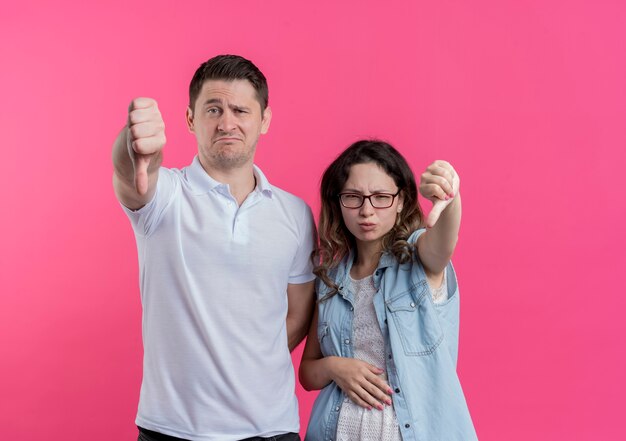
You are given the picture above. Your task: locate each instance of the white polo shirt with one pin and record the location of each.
(213, 279)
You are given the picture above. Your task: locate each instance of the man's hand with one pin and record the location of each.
(440, 184)
(145, 138)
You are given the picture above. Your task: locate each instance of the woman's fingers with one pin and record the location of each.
(360, 381)
(442, 175)
(435, 191)
(364, 398)
(372, 389)
(363, 402)
(377, 390)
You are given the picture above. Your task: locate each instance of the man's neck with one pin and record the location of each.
(241, 180)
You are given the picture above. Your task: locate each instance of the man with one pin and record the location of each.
(226, 282)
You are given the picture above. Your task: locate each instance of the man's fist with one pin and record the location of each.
(145, 138)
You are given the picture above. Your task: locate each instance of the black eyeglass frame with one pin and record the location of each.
(368, 197)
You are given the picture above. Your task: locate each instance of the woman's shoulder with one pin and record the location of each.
(335, 274)
(415, 235)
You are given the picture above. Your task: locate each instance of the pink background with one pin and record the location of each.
(527, 100)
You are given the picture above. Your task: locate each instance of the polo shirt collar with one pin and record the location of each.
(202, 182)
(262, 184)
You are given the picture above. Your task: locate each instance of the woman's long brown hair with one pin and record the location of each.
(335, 241)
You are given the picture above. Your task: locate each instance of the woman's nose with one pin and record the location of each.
(367, 208)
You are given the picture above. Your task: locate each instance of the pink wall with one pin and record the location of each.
(526, 99)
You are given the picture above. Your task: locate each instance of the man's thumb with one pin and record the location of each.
(141, 173)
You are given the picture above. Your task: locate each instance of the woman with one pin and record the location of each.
(383, 342)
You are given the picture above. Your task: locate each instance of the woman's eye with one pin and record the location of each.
(385, 198)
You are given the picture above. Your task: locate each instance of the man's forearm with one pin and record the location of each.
(296, 331)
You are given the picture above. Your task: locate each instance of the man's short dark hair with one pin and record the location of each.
(229, 68)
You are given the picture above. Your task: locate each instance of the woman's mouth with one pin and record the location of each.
(367, 226)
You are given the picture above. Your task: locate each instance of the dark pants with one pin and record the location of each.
(149, 435)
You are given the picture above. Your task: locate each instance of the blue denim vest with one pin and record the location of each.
(421, 345)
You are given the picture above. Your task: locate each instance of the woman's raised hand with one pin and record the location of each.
(440, 184)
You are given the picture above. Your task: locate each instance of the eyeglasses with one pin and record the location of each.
(378, 200)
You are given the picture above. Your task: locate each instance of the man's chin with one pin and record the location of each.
(229, 162)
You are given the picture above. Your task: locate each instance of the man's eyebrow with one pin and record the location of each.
(213, 101)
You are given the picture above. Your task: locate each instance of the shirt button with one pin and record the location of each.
(337, 409)
(397, 390)
(407, 425)
(412, 305)
(378, 272)
(352, 308)
(347, 341)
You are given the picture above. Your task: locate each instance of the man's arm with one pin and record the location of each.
(301, 299)
(137, 154)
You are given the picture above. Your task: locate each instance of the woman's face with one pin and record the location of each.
(368, 224)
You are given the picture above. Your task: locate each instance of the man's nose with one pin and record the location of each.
(227, 122)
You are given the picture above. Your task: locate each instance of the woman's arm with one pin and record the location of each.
(440, 184)
(358, 379)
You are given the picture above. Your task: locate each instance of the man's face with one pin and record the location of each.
(227, 121)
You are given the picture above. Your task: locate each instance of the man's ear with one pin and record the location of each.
(189, 119)
(265, 122)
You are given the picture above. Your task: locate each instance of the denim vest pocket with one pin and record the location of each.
(415, 319)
